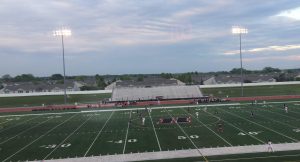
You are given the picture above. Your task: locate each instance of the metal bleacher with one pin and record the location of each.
(164, 92)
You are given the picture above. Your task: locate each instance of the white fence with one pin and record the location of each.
(249, 84)
(54, 93)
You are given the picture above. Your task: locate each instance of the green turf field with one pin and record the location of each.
(84, 134)
(269, 90)
(50, 100)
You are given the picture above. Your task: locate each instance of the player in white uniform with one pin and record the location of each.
(286, 109)
(143, 120)
(270, 148)
(197, 114)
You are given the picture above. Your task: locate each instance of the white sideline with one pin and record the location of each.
(121, 109)
(183, 153)
(142, 108)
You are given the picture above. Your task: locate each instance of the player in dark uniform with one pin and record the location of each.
(220, 127)
(130, 121)
(216, 112)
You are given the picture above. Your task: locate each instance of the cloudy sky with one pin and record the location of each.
(147, 36)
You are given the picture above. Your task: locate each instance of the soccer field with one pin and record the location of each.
(102, 132)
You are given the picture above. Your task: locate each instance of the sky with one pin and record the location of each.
(147, 36)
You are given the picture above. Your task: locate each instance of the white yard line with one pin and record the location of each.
(276, 121)
(296, 112)
(24, 131)
(209, 129)
(38, 138)
(6, 121)
(67, 137)
(125, 142)
(187, 153)
(239, 129)
(295, 140)
(98, 134)
(154, 131)
(198, 150)
(17, 124)
(291, 117)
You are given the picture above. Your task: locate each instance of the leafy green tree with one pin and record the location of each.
(88, 88)
(25, 78)
(80, 78)
(166, 75)
(125, 77)
(140, 78)
(100, 82)
(56, 77)
(185, 77)
(270, 70)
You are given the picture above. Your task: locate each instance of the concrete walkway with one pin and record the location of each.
(183, 153)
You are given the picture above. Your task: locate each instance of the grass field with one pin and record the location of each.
(50, 100)
(269, 90)
(83, 134)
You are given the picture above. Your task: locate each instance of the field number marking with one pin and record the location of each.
(121, 141)
(184, 137)
(54, 145)
(53, 117)
(88, 115)
(297, 130)
(249, 133)
(10, 119)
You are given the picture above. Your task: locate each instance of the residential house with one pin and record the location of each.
(33, 87)
(236, 79)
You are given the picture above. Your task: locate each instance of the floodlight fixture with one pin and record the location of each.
(240, 30)
(61, 33)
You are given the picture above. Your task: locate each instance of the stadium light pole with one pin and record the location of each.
(240, 30)
(61, 33)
